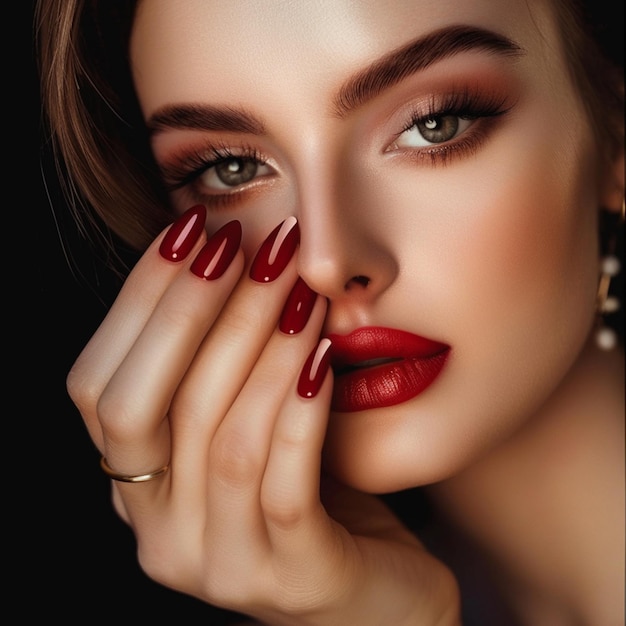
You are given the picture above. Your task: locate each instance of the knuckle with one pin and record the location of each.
(234, 459)
(119, 415)
(177, 312)
(295, 438)
(83, 390)
(281, 508)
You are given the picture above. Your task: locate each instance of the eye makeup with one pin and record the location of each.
(448, 122)
(460, 118)
(220, 163)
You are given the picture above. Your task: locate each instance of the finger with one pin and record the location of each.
(227, 355)
(133, 407)
(143, 288)
(139, 431)
(291, 484)
(241, 446)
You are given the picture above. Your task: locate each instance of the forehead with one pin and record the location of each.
(194, 50)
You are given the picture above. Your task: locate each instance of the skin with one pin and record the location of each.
(491, 250)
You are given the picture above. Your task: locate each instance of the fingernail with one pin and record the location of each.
(297, 309)
(314, 370)
(183, 234)
(275, 252)
(218, 252)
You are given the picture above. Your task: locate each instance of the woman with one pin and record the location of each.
(382, 275)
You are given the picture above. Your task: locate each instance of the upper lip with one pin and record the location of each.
(372, 345)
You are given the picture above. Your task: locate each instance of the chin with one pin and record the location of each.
(374, 452)
(417, 443)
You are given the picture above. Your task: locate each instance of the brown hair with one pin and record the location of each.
(96, 130)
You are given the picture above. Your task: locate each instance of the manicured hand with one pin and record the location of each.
(214, 367)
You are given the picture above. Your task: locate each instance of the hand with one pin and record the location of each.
(190, 369)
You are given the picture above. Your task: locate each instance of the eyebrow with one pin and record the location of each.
(203, 117)
(416, 56)
(355, 92)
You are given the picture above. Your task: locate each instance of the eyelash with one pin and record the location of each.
(183, 171)
(463, 105)
(186, 169)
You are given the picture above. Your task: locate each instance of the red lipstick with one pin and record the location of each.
(378, 367)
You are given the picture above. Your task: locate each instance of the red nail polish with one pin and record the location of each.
(183, 234)
(297, 309)
(218, 252)
(275, 252)
(314, 370)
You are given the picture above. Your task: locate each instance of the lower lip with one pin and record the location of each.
(386, 385)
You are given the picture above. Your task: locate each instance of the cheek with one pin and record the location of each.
(503, 262)
(524, 257)
(503, 241)
(525, 248)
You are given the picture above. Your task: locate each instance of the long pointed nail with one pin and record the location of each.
(275, 252)
(218, 252)
(314, 370)
(297, 309)
(183, 234)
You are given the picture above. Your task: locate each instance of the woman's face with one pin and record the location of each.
(442, 172)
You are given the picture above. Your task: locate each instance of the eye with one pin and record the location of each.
(215, 173)
(232, 172)
(451, 124)
(432, 130)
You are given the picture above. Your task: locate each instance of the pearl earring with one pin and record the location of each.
(606, 338)
(606, 304)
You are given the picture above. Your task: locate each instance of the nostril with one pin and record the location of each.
(363, 281)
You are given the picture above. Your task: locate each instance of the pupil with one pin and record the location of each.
(439, 129)
(236, 171)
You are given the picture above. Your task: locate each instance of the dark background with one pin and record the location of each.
(68, 555)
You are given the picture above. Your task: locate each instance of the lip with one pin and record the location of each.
(378, 367)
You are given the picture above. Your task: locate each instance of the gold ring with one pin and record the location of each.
(127, 478)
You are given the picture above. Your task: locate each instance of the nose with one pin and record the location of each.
(344, 254)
